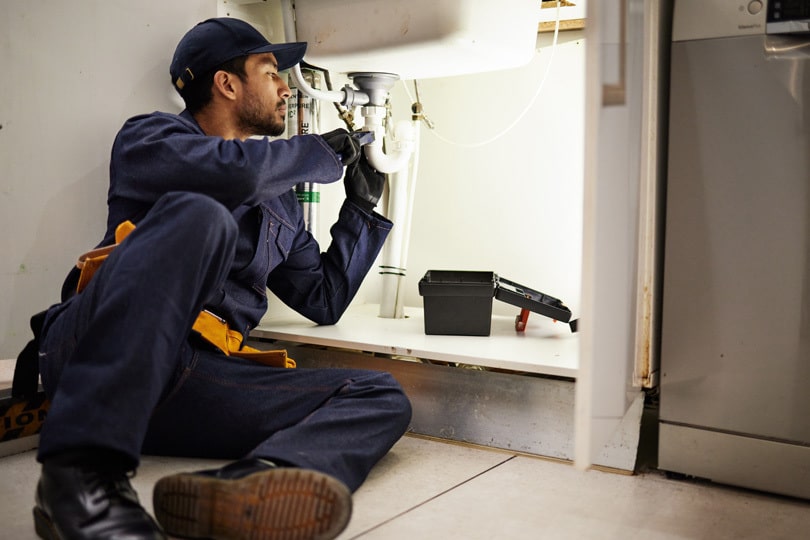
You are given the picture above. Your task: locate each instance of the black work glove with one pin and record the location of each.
(364, 185)
(344, 145)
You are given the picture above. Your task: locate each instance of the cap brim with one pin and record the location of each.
(287, 54)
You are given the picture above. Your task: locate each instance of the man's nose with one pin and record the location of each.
(284, 90)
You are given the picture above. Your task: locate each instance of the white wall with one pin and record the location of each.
(74, 71)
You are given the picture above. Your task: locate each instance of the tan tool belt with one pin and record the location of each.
(215, 331)
(212, 328)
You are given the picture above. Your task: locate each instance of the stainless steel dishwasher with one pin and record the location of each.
(735, 337)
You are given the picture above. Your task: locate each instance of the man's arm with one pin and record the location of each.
(158, 153)
(320, 286)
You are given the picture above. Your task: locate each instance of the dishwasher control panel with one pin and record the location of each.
(708, 19)
(788, 17)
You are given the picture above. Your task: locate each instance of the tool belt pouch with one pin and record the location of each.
(275, 358)
(91, 261)
(216, 332)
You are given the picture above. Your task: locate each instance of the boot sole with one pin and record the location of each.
(277, 504)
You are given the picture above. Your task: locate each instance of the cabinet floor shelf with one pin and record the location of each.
(544, 348)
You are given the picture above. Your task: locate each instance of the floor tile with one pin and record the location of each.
(528, 498)
(415, 471)
(19, 474)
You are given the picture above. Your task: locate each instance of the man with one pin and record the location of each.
(146, 355)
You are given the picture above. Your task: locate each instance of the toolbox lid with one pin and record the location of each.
(526, 298)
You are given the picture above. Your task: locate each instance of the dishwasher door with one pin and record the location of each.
(735, 344)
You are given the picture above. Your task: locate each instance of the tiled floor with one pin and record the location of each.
(425, 489)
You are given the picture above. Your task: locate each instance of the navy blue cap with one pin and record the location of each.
(215, 41)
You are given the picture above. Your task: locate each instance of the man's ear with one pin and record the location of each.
(226, 84)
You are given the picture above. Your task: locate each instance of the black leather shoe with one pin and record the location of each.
(77, 502)
(252, 499)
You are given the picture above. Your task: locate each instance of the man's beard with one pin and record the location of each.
(253, 120)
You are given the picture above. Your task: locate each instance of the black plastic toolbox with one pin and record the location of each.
(459, 302)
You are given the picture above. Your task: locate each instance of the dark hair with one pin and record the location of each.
(197, 94)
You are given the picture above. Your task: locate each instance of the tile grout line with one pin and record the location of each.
(433, 498)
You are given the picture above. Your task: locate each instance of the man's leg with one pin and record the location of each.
(302, 435)
(108, 355)
(337, 421)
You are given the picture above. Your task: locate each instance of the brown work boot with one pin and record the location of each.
(252, 499)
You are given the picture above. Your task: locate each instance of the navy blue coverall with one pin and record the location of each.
(217, 223)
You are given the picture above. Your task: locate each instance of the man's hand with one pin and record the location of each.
(364, 185)
(344, 145)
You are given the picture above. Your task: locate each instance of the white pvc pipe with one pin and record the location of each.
(384, 163)
(400, 207)
(399, 306)
(392, 266)
(388, 297)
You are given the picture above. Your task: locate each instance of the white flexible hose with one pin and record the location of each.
(337, 96)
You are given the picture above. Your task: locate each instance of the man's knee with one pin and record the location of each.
(397, 399)
(197, 216)
(193, 207)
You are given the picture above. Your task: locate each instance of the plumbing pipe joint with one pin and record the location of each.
(348, 96)
(404, 144)
(377, 86)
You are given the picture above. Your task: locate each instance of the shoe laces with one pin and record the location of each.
(110, 484)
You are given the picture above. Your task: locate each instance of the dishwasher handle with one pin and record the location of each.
(787, 46)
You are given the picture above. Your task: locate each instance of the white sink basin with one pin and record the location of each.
(418, 39)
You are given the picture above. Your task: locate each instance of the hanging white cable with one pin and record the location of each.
(525, 111)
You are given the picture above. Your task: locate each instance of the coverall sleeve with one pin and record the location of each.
(320, 286)
(159, 153)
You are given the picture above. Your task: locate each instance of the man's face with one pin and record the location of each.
(263, 108)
